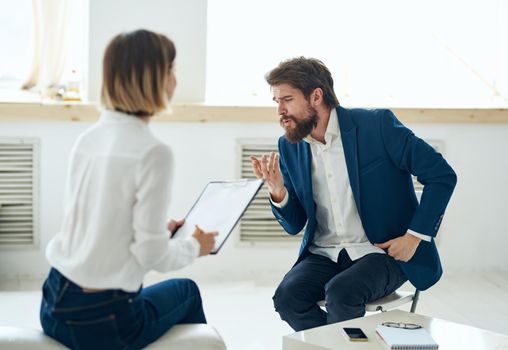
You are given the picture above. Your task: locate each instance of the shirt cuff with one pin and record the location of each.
(194, 246)
(419, 235)
(282, 203)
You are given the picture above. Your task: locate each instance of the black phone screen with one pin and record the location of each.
(355, 334)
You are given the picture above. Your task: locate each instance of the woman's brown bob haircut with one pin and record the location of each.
(135, 72)
(305, 74)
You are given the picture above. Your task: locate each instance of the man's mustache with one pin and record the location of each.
(286, 117)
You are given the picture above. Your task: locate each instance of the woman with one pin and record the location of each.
(114, 228)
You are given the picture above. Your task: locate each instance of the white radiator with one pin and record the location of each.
(19, 191)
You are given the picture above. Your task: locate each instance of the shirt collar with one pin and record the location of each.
(112, 116)
(332, 129)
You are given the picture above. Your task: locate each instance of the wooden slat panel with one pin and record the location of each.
(16, 193)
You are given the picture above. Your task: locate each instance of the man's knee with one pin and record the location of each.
(282, 294)
(343, 302)
(287, 294)
(343, 294)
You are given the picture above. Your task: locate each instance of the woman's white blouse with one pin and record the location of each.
(115, 208)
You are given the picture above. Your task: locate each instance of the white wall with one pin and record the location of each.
(473, 235)
(182, 21)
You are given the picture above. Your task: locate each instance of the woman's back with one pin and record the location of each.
(111, 164)
(114, 228)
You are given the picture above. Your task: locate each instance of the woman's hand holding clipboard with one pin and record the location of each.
(206, 240)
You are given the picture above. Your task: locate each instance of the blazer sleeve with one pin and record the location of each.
(412, 154)
(292, 217)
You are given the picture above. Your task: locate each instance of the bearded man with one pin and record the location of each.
(345, 175)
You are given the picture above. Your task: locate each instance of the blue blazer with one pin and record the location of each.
(381, 154)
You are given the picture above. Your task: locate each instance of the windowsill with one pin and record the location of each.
(89, 112)
(18, 96)
(12, 93)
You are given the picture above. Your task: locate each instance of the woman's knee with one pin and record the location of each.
(189, 286)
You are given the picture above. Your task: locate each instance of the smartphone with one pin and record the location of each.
(355, 334)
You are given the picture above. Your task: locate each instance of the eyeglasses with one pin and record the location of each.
(401, 325)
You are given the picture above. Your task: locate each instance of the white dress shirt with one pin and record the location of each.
(338, 224)
(115, 208)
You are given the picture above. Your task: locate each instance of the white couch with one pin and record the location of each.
(184, 336)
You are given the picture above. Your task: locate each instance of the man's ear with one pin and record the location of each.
(316, 97)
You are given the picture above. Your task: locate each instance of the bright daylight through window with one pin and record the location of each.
(44, 50)
(393, 53)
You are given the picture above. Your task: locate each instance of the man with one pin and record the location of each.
(345, 175)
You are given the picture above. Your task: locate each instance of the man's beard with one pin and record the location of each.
(302, 128)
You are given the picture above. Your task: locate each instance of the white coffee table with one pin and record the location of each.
(449, 335)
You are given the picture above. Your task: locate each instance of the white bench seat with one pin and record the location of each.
(184, 336)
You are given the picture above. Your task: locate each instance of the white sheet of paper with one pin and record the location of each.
(219, 207)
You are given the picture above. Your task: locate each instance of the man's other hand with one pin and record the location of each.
(401, 248)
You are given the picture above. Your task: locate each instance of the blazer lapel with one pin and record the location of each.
(349, 143)
(305, 156)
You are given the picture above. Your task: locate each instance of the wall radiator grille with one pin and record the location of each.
(18, 187)
(258, 222)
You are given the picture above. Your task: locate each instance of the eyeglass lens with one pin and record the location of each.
(402, 325)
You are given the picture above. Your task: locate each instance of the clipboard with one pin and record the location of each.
(219, 207)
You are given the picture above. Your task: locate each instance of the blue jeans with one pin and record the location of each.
(345, 285)
(115, 319)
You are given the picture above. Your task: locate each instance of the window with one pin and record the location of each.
(16, 36)
(393, 53)
(18, 42)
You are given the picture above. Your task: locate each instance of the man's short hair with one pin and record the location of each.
(135, 72)
(305, 74)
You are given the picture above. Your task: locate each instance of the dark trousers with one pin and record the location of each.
(346, 286)
(115, 319)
